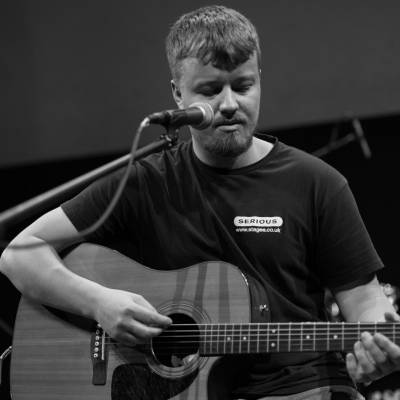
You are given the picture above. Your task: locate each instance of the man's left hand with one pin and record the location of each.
(374, 356)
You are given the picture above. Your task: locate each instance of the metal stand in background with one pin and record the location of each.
(5, 354)
(336, 142)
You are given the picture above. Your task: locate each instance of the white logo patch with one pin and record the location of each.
(258, 224)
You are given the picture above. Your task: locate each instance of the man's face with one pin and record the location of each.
(234, 97)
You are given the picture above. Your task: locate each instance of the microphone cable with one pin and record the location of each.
(69, 240)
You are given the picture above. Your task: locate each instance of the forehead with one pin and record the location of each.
(194, 71)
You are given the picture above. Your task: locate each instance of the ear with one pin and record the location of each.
(177, 94)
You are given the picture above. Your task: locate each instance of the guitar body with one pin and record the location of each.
(54, 352)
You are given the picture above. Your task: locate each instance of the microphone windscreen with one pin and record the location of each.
(208, 115)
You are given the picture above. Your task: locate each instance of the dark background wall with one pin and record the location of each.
(77, 77)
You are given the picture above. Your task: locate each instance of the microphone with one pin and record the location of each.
(198, 115)
(360, 136)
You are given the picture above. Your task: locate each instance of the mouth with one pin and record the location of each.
(229, 125)
(229, 128)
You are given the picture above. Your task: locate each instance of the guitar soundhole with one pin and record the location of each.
(178, 345)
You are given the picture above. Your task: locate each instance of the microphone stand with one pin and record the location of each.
(52, 198)
(335, 143)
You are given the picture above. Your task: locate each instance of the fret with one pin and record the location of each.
(220, 339)
(393, 333)
(308, 339)
(206, 339)
(248, 338)
(290, 336)
(236, 342)
(358, 331)
(253, 338)
(216, 339)
(224, 338)
(278, 337)
(229, 339)
(211, 339)
(314, 334)
(301, 336)
(327, 336)
(350, 336)
(273, 336)
(343, 348)
(295, 339)
(335, 336)
(283, 337)
(240, 338)
(258, 338)
(202, 347)
(264, 345)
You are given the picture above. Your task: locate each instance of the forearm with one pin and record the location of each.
(365, 303)
(38, 273)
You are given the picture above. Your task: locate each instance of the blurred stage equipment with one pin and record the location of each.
(5, 327)
(337, 141)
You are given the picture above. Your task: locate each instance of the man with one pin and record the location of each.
(201, 201)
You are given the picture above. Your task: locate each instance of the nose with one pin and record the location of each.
(228, 105)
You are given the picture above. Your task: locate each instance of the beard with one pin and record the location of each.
(227, 145)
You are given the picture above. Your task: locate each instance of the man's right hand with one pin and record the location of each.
(128, 317)
(40, 274)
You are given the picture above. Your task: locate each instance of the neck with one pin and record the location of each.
(257, 150)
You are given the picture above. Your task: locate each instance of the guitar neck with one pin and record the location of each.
(218, 339)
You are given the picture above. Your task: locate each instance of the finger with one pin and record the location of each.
(355, 371)
(373, 351)
(366, 366)
(142, 301)
(142, 332)
(126, 338)
(351, 365)
(391, 349)
(392, 317)
(149, 317)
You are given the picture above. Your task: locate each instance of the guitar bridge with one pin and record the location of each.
(99, 355)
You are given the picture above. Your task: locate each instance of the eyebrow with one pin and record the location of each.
(216, 82)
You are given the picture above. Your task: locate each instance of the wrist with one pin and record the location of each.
(96, 294)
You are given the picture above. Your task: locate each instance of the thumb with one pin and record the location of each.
(391, 316)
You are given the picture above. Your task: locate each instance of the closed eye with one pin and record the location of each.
(208, 90)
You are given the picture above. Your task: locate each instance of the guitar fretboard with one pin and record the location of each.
(218, 339)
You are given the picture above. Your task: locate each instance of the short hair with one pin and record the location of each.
(215, 34)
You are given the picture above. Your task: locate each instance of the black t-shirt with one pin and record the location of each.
(289, 222)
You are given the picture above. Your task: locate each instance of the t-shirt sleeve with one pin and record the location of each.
(86, 208)
(345, 252)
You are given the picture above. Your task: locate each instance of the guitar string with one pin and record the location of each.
(240, 337)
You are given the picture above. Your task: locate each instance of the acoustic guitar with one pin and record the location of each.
(61, 356)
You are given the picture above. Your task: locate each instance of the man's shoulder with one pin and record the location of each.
(172, 157)
(306, 163)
